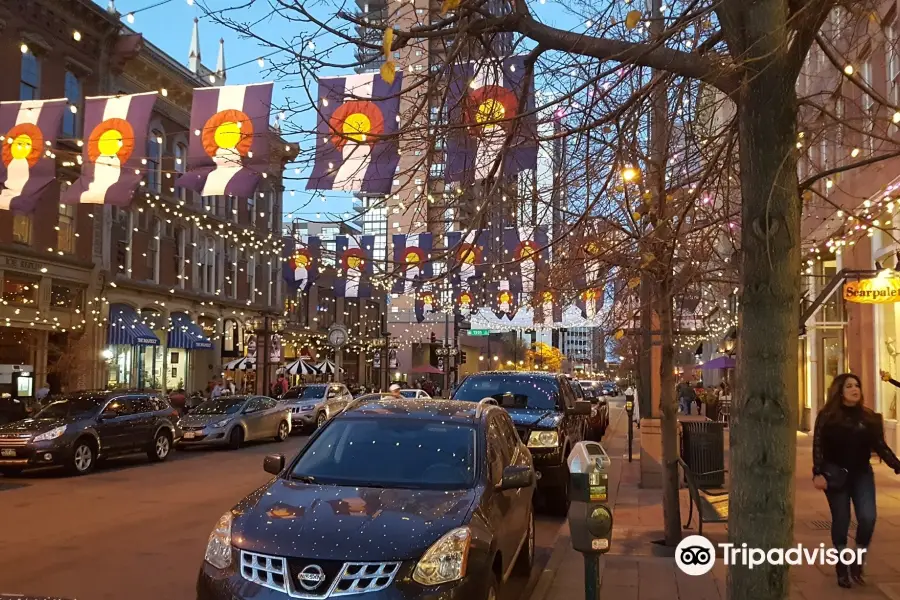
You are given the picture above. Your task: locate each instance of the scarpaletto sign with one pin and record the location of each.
(883, 289)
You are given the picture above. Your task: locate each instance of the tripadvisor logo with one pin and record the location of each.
(696, 555)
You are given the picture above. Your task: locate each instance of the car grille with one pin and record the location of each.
(201, 428)
(337, 579)
(296, 410)
(14, 439)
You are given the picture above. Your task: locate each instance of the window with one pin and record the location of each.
(231, 271)
(65, 237)
(154, 161)
(180, 166)
(868, 104)
(273, 285)
(64, 295)
(251, 208)
(179, 256)
(21, 290)
(30, 82)
(153, 251)
(231, 207)
(71, 118)
(251, 278)
(22, 229)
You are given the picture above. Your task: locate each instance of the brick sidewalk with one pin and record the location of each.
(638, 569)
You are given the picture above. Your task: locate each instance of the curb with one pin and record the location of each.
(545, 581)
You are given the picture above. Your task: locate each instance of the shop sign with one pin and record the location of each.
(883, 289)
(24, 265)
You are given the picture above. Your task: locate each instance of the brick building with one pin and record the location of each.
(159, 294)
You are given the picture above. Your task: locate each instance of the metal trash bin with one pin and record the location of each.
(703, 451)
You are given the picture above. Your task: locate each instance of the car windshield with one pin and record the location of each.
(73, 407)
(307, 392)
(408, 393)
(391, 453)
(510, 391)
(227, 405)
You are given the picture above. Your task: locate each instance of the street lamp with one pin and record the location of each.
(629, 173)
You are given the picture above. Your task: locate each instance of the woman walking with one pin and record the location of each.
(846, 435)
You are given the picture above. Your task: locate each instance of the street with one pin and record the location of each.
(137, 530)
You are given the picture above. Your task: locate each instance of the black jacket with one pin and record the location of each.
(849, 438)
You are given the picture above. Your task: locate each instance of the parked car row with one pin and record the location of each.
(81, 429)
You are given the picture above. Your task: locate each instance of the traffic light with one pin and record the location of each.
(462, 356)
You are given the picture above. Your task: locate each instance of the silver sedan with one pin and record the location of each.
(233, 420)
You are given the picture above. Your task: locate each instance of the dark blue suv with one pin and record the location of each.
(548, 417)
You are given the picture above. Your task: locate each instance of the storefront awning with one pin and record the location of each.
(126, 328)
(184, 333)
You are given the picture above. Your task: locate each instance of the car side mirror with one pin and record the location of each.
(106, 415)
(582, 407)
(274, 463)
(515, 478)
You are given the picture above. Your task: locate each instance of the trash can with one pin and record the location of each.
(703, 451)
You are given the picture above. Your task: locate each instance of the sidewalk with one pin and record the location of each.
(638, 569)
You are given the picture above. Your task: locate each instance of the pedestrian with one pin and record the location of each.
(218, 390)
(685, 397)
(846, 435)
(395, 391)
(42, 392)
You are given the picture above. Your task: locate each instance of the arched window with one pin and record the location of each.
(180, 166)
(153, 250)
(30, 82)
(154, 161)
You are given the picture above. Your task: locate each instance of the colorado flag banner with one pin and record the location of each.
(229, 147)
(526, 246)
(467, 256)
(354, 266)
(412, 257)
(301, 261)
(484, 102)
(356, 143)
(28, 129)
(112, 168)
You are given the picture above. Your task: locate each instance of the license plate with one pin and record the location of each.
(188, 435)
(7, 452)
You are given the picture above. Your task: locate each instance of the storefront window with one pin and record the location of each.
(21, 290)
(833, 360)
(65, 296)
(889, 351)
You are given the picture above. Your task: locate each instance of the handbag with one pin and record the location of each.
(835, 476)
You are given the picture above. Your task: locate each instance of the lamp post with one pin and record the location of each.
(447, 351)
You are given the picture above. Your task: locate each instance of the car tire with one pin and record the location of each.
(492, 592)
(525, 560)
(284, 430)
(320, 419)
(236, 437)
(10, 472)
(162, 446)
(83, 458)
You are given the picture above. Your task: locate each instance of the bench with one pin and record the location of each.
(712, 505)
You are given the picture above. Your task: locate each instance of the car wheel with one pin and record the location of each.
(320, 419)
(162, 446)
(525, 561)
(236, 438)
(283, 431)
(83, 459)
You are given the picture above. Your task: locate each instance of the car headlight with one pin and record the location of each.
(445, 560)
(308, 407)
(50, 435)
(543, 439)
(221, 423)
(218, 549)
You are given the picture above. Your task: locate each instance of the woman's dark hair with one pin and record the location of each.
(836, 393)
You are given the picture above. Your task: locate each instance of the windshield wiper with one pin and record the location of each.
(303, 478)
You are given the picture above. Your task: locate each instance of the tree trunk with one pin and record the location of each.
(669, 412)
(764, 409)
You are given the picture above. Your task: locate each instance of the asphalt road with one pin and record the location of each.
(137, 530)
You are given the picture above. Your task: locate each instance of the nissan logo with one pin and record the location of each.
(311, 577)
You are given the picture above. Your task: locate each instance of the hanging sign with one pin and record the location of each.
(883, 289)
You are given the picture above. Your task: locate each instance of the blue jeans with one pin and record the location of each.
(860, 489)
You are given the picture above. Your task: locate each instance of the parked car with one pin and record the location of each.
(610, 388)
(414, 394)
(233, 420)
(447, 486)
(81, 428)
(599, 419)
(313, 404)
(547, 418)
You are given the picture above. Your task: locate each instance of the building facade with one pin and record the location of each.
(159, 294)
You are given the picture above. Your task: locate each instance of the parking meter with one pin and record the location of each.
(629, 408)
(590, 519)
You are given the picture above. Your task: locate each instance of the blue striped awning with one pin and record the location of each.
(184, 333)
(126, 328)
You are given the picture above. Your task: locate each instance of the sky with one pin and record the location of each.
(168, 24)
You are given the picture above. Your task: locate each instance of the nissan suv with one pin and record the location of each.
(547, 416)
(400, 500)
(81, 428)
